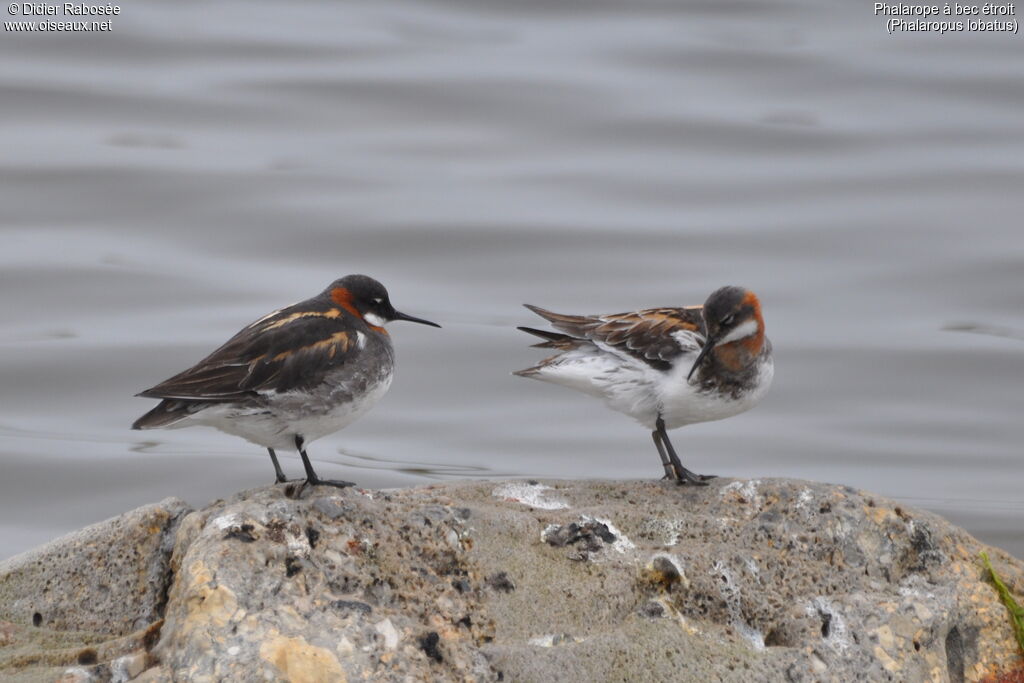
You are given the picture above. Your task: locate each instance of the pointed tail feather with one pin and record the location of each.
(555, 340)
(553, 317)
(166, 413)
(576, 325)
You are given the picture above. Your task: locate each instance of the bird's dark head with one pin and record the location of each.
(732, 317)
(731, 314)
(365, 298)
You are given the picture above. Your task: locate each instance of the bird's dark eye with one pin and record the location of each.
(729, 319)
(378, 300)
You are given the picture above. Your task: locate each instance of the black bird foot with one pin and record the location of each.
(693, 479)
(337, 483)
(279, 477)
(322, 482)
(311, 478)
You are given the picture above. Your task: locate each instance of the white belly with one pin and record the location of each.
(626, 385)
(633, 387)
(286, 415)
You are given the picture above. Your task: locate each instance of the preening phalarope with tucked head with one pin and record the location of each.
(664, 367)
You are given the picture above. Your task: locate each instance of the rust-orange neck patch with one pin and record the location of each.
(755, 342)
(343, 297)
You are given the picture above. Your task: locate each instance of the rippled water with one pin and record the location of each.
(204, 163)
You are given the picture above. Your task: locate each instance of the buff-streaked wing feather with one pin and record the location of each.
(275, 353)
(655, 335)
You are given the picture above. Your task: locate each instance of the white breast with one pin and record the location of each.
(683, 403)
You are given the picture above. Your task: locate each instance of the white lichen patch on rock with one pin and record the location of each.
(752, 568)
(729, 589)
(834, 630)
(297, 542)
(554, 640)
(529, 494)
(225, 522)
(744, 492)
(803, 502)
(388, 632)
(673, 531)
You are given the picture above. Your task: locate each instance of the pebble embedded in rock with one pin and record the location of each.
(352, 606)
(587, 536)
(429, 644)
(663, 572)
(500, 581)
(653, 610)
(241, 532)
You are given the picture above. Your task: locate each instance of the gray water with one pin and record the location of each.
(203, 163)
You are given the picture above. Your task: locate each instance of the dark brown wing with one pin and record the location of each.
(655, 335)
(290, 349)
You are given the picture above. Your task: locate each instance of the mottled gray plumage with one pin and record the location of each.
(293, 376)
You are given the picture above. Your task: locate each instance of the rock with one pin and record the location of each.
(373, 596)
(110, 577)
(88, 606)
(737, 581)
(127, 667)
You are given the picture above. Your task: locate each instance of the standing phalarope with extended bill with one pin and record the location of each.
(664, 367)
(292, 376)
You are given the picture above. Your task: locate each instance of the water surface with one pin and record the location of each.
(204, 163)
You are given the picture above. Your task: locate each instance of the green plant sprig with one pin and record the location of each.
(1015, 610)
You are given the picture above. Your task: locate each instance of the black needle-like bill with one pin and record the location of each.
(402, 316)
(708, 345)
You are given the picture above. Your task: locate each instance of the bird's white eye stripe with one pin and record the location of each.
(378, 300)
(742, 330)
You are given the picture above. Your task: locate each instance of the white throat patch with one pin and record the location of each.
(374, 319)
(745, 329)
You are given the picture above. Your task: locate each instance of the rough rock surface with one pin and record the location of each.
(109, 577)
(523, 581)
